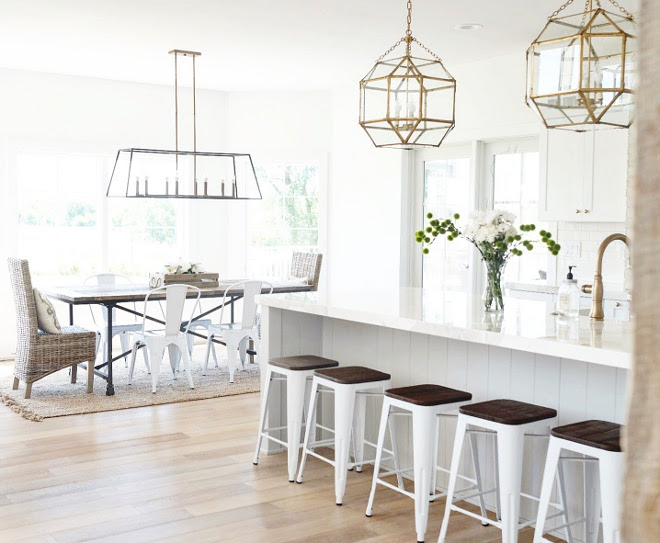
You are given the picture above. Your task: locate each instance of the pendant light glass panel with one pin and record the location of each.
(581, 71)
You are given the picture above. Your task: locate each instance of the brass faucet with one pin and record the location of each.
(596, 290)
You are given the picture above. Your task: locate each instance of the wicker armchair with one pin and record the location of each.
(307, 265)
(39, 354)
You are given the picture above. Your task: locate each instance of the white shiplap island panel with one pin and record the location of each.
(576, 366)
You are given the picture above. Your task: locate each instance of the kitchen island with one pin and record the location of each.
(577, 366)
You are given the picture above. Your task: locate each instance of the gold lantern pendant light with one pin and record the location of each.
(408, 101)
(581, 69)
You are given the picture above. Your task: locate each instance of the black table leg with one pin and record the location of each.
(71, 314)
(110, 390)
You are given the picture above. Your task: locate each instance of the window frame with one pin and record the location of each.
(481, 154)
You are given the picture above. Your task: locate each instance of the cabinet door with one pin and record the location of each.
(563, 166)
(605, 186)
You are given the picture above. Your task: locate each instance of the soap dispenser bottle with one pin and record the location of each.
(569, 296)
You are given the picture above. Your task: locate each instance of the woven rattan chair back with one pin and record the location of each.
(26, 311)
(307, 265)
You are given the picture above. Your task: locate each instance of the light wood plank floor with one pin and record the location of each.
(184, 472)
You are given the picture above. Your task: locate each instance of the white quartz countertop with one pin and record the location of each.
(611, 291)
(525, 325)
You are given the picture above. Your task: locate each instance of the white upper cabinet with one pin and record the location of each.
(583, 175)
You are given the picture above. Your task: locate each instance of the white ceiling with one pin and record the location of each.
(254, 44)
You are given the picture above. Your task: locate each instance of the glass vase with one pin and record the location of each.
(494, 293)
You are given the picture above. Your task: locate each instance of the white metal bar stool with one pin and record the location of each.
(296, 371)
(425, 403)
(510, 421)
(600, 442)
(351, 385)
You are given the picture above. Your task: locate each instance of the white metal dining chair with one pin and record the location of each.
(172, 337)
(236, 335)
(123, 330)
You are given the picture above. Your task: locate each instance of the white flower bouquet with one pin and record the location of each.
(181, 266)
(496, 238)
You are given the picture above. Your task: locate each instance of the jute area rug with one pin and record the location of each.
(55, 396)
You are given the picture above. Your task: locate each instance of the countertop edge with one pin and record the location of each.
(541, 346)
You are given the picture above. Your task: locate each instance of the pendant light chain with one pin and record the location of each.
(381, 57)
(409, 37)
(622, 9)
(436, 57)
(560, 9)
(587, 8)
(409, 6)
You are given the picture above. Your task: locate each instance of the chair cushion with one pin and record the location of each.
(509, 412)
(428, 395)
(352, 375)
(299, 280)
(46, 316)
(303, 362)
(599, 434)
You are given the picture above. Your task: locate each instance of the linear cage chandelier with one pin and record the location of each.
(581, 69)
(408, 101)
(160, 173)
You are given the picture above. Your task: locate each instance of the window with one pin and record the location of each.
(59, 213)
(286, 219)
(143, 235)
(515, 188)
(67, 228)
(445, 269)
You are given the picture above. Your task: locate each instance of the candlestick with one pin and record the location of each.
(176, 186)
(222, 188)
(195, 187)
(233, 191)
(146, 186)
(167, 186)
(206, 186)
(137, 186)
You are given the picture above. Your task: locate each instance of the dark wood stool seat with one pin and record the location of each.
(592, 433)
(428, 395)
(303, 362)
(509, 412)
(352, 375)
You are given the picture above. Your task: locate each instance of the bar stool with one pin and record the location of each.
(600, 441)
(296, 371)
(351, 385)
(425, 403)
(510, 420)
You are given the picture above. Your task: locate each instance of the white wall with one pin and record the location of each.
(364, 203)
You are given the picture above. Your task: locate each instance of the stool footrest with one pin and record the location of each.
(396, 488)
(274, 439)
(495, 523)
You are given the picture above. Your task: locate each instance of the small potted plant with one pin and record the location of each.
(496, 238)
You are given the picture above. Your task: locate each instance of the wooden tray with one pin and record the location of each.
(189, 278)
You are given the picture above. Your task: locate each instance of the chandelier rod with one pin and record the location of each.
(193, 54)
(176, 111)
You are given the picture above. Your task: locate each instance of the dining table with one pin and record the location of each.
(116, 297)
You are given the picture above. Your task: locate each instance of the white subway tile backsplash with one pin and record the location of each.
(590, 236)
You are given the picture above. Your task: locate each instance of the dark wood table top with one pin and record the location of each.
(79, 294)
